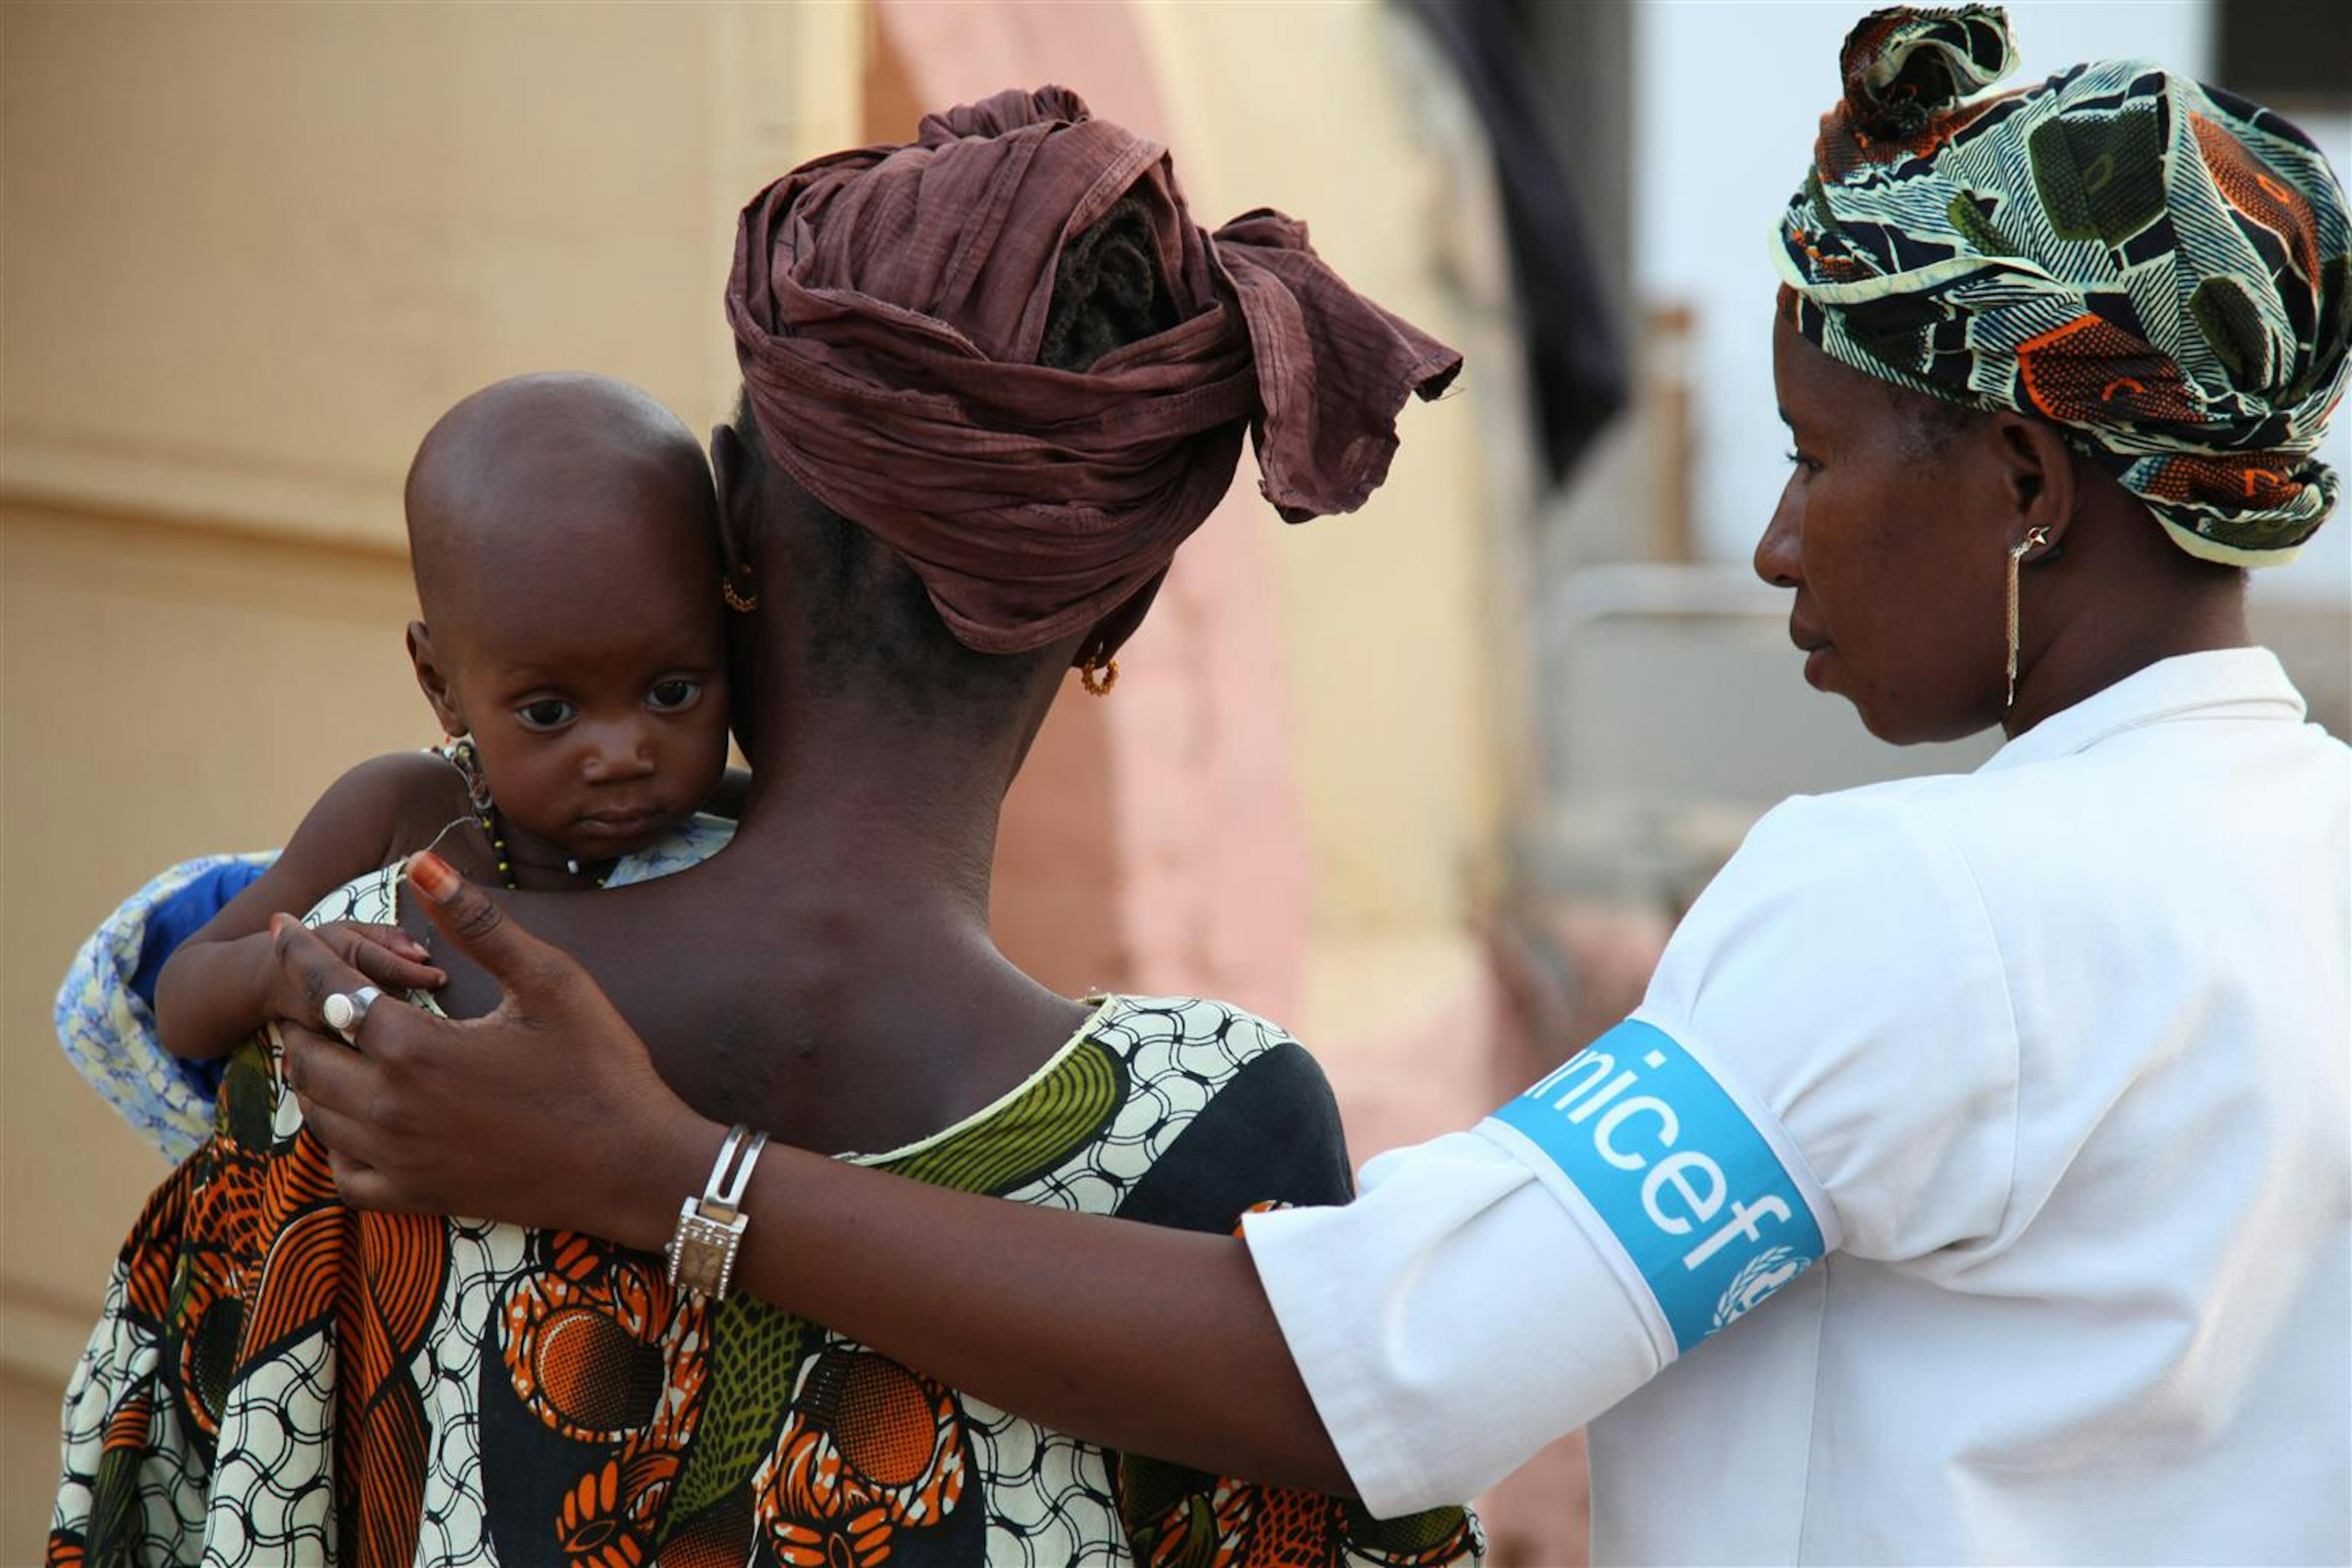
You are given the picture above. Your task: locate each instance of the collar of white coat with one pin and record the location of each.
(2247, 680)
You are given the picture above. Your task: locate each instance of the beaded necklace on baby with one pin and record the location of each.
(458, 751)
(489, 821)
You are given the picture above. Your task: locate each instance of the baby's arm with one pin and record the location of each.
(215, 990)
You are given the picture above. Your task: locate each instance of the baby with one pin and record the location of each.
(563, 536)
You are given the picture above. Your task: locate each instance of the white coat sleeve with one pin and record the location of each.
(1825, 1059)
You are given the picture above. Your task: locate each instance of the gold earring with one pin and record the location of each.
(2032, 540)
(737, 600)
(459, 750)
(1099, 675)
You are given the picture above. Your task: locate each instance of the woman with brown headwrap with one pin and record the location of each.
(991, 381)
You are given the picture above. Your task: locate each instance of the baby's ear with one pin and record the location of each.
(434, 681)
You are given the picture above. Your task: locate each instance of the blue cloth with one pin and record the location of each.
(107, 1028)
(173, 922)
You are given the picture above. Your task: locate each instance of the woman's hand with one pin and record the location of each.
(547, 1111)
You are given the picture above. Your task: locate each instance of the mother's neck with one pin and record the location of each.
(875, 809)
(863, 860)
(872, 801)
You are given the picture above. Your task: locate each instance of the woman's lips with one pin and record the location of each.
(1816, 648)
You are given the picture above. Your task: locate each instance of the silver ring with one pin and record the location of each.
(346, 1010)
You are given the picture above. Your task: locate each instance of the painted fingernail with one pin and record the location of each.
(432, 876)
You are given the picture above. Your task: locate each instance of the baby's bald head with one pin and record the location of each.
(575, 479)
(565, 541)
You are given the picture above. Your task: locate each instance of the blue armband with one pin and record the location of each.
(1636, 1134)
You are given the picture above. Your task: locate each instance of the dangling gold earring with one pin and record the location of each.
(1098, 674)
(2033, 541)
(737, 599)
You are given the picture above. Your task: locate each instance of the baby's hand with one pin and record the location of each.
(387, 955)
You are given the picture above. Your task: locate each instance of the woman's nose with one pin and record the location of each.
(1777, 556)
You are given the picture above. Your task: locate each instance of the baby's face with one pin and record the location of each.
(597, 698)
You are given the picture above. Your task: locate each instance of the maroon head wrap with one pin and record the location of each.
(889, 303)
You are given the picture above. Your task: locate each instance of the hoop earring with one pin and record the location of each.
(737, 600)
(1099, 675)
(468, 763)
(2039, 537)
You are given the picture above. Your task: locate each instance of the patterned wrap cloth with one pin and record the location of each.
(889, 305)
(276, 1381)
(2162, 270)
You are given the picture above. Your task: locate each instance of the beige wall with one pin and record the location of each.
(168, 691)
(250, 253)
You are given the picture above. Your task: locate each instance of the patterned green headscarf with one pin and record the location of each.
(2162, 270)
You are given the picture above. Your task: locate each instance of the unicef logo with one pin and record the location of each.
(1707, 1216)
(1764, 1273)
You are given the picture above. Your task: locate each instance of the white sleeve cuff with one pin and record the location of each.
(1449, 1322)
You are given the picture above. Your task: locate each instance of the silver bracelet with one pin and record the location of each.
(710, 1228)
